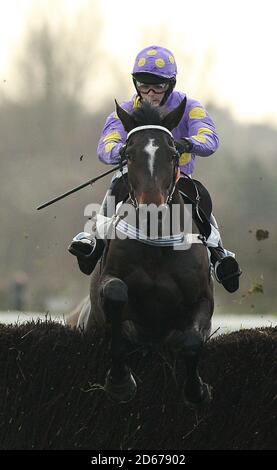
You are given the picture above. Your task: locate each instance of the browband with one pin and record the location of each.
(150, 126)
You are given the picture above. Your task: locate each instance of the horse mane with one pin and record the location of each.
(147, 114)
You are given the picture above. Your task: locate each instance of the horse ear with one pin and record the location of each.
(172, 119)
(127, 120)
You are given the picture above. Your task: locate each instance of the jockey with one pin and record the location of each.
(154, 76)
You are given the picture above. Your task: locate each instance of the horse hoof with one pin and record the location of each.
(120, 392)
(203, 402)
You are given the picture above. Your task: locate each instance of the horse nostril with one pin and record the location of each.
(151, 197)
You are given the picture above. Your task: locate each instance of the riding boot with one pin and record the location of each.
(226, 268)
(87, 247)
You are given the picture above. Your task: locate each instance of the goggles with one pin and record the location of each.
(158, 88)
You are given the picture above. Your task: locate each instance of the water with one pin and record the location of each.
(225, 323)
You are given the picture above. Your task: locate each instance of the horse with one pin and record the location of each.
(151, 293)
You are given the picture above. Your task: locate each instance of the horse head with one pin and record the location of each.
(150, 152)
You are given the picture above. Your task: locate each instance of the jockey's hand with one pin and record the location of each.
(122, 152)
(183, 146)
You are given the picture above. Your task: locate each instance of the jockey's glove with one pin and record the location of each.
(122, 152)
(121, 155)
(183, 146)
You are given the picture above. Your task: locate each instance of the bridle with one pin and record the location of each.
(124, 160)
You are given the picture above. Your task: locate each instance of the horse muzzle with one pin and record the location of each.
(151, 197)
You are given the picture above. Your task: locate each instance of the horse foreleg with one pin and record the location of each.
(196, 391)
(120, 384)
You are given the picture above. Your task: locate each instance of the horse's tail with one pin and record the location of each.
(73, 316)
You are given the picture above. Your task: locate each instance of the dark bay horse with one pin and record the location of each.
(152, 294)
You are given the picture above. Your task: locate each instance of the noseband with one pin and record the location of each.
(176, 161)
